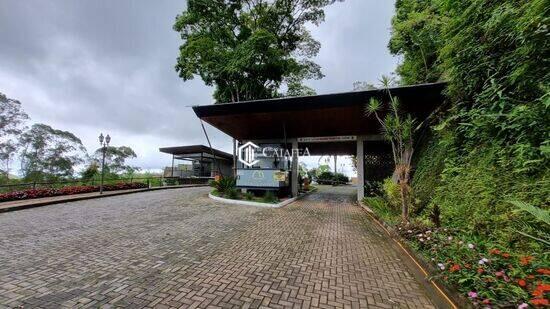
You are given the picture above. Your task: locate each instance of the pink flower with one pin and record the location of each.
(472, 294)
(523, 306)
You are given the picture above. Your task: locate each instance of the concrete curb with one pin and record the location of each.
(75, 198)
(259, 204)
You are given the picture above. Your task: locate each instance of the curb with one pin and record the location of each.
(82, 198)
(259, 204)
(451, 296)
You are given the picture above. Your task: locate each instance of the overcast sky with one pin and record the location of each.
(108, 66)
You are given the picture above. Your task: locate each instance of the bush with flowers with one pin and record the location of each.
(490, 275)
(68, 190)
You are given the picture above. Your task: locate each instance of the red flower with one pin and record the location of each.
(522, 282)
(454, 268)
(531, 277)
(486, 301)
(480, 270)
(506, 255)
(539, 302)
(543, 271)
(494, 251)
(525, 260)
(540, 289)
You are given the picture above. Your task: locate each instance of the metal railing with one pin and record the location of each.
(152, 181)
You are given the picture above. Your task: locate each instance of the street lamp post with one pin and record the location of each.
(104, 142)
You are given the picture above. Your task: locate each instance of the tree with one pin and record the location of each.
(416, 36)
(248, 48)
(115, 159)
(12, 119)
(360, 86)
(398, 130)
(49, 154)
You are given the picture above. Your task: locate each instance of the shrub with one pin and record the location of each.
(232, 193)
(341, 178)
(270, 197)
(392, 193)
(69, 190)
(325, 178)
(249, 196)
(224, 184)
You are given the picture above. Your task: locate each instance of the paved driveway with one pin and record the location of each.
(177, 248)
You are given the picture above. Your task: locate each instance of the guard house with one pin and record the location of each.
(330, 124)
(200, 161)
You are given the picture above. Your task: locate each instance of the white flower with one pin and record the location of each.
(460, 242)
(433, 259)
(441, 266)
(421, 239)
(481, 262)
(409, 231)
(450, 238)
(471, 246)
(427, 238)
(445, 230)
(420, 235)
(486, 260)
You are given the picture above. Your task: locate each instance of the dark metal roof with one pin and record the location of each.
(195, 149)
(319, 115)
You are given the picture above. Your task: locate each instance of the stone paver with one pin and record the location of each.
(177, 248)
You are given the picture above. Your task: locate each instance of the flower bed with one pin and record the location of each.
(69, 190)
(487, 274)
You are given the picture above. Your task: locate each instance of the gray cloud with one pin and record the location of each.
(91, 66)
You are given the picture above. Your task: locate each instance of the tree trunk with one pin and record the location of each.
(404, 203)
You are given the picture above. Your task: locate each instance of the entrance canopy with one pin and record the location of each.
(339, 114)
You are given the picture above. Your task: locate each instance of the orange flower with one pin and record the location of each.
(506, 255)
(494, 251)
(543, 271)
(525, 260)
(468, 266)
(540, 289)
(480, 270)
(454, 268)
(531, 277)
(522, 282)
(539, 302)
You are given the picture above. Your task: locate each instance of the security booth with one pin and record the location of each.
(329, 124)
(265, 166)
(199, 161)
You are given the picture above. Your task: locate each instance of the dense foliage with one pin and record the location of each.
(492, 146)
(248, 49)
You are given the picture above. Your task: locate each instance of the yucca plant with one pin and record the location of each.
(398, 129)
(224, 184)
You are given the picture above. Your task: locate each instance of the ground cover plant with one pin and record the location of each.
(68, 190)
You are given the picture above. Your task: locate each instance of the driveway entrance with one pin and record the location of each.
(178, 248)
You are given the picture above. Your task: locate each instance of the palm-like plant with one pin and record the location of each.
(398, 129)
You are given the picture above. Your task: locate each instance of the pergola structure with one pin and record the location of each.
(207, 159)
(329, 124)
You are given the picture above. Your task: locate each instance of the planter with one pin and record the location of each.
(450, 293)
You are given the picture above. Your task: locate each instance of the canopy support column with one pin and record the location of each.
(172, 174)
(294, 170)
(360, 155)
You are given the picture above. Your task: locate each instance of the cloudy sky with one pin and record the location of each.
(108, 66)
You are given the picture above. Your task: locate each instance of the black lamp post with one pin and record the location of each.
(104, 142)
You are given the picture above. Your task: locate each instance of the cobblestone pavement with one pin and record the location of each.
(177, 248)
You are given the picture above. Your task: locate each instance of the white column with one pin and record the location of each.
(360, 154)
(294, 177)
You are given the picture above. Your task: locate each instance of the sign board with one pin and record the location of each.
(261, 178)
(324, 139)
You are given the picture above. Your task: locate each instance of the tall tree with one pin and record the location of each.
(115, 159)
(247, 49)
(12, 119)
(48, 153)
(416, 36)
